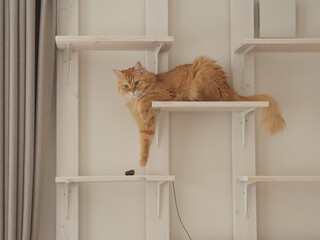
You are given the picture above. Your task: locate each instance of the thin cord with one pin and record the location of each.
(175, 200)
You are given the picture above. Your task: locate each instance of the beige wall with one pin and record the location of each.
(200, 149)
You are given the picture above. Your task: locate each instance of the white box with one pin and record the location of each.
(277, 18)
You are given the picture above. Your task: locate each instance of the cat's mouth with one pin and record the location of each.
(135, 94)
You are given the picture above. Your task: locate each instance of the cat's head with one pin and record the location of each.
(133, 81)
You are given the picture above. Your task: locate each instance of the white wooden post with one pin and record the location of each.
(243, 158)
(67, 125)
(158, 228)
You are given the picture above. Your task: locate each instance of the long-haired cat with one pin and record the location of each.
(203, 80)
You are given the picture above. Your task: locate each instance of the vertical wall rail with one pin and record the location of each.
(158, 228)
(243, 159)
(67, 124)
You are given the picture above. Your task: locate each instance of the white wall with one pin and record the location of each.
(200, 149)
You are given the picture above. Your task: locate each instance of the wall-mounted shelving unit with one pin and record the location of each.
(256, 45)
(69, 44)
(244, 46)
(243, 154)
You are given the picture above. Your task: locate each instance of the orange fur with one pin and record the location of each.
(203, 80)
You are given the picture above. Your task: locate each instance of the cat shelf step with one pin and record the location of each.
(225, 106)
(158, 179)
(243, 107)
(248, 180)
(279, 45)
(279, 179)
(256, 45)
(115, 178)
(112, 43)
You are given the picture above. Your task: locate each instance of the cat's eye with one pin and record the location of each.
(126, 86)
(136, 83)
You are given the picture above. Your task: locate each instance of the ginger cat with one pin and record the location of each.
(203, 80)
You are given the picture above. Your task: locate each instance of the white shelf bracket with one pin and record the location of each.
(156, 57)
(67, 200)
(157, 134)
(243, 121)
(244, 54)
(245, 195)
(159, 184)
(67, 59)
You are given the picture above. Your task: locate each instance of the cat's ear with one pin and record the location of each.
(138, 67)
(118, 73)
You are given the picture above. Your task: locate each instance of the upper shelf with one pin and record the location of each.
(129, 43)
(279, 45)
(227, 106)
(115, 178)
(279, 179)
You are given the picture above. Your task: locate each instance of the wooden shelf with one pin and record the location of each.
(129, 43)
(115, 178)
(279, 45)
(227, 106)
(279, 179)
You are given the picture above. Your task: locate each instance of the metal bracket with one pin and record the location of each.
(157, 134)
(243, 64)
(243, 121)
(67, 59)
(156, 57)
(67, 199)
(245, 195)
(159, 184)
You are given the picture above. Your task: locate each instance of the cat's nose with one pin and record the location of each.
(133, 91)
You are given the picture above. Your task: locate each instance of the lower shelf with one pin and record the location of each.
(159, 180)
(115, 178)
(246, 181)
(279, 179)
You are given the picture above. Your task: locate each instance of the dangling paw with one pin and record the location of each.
(143, 161)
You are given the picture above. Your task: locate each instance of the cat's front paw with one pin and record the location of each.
(143, 161)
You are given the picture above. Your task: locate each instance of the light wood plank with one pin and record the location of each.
(128, 43)
(207, 106)
(279, 179)
(280, 45)
(115, 178)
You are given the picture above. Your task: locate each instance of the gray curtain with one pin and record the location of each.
(27, 64)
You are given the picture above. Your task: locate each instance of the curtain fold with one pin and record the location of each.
(27, 65)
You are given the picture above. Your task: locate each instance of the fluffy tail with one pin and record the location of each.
(271, 119)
